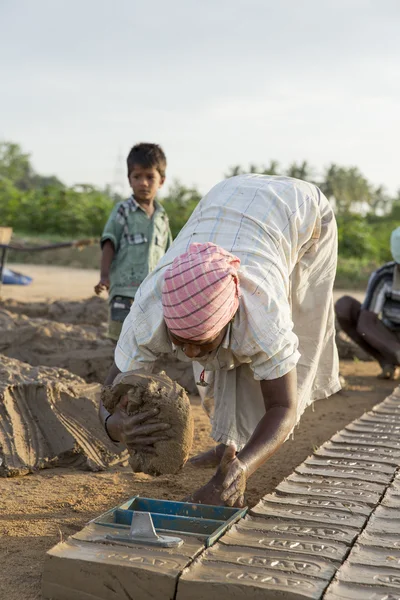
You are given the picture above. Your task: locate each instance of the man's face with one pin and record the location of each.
(145, 183)
(199, 349)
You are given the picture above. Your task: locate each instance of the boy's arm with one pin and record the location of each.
(110, 240)
(106, 260)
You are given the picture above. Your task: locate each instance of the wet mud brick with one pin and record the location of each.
(82, 570)
(296, 530)
(333, 482)
(364, 453)
(379, 429)
(349, 507)
(384, 520)
(291, 545)
(387, 408)
(360, 574)
(320, 468)
(376, 421)
(339, 590)
(268, 508)
(375, 557)
(381, 539)
(375, 417)
(273, 560)
(292, 489)
(374, 453)
(349, 463)
(392, 500)
(367, 438)
(208, 580)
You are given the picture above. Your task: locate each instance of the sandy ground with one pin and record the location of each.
(51, 283)
(70, 284)
(37, 511)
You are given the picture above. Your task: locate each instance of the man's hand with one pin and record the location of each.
(227, 486)
(104, 284)
(139, 432)
(234, 472)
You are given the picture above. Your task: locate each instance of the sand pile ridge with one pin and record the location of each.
(49, 417)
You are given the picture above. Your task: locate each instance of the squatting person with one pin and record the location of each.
(245, 292)
(375, 324)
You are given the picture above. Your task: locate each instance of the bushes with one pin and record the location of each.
(366, 238)
(355, 237)
(364, 245)
(54, 210)
(179, 204)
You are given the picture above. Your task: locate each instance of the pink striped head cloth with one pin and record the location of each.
(201, 292)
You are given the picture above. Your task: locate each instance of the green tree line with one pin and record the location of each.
(43, 205)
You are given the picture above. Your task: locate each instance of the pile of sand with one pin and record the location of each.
(72, 335)
(93, 311)
(48, 417)
(158, 391)
(83, 350)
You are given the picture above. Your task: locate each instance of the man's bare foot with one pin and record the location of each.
(211, 458)
(388, 372)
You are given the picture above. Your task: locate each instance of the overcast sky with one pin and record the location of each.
(215, 82)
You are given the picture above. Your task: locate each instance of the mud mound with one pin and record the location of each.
(347, 349)
(92, 311)
(81, 350)
(157, 391)
(48, 417)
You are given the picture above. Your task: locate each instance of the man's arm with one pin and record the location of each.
(280, 399)
(229, 482)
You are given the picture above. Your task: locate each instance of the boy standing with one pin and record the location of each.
(136, 235)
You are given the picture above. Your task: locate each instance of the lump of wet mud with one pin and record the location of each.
(48, 418)
(156, 391)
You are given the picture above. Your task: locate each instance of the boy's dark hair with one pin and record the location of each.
(147, 155)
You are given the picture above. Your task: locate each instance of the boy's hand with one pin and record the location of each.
(139, 432)
(104, 284)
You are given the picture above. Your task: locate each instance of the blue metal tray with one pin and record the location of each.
(200, 520)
